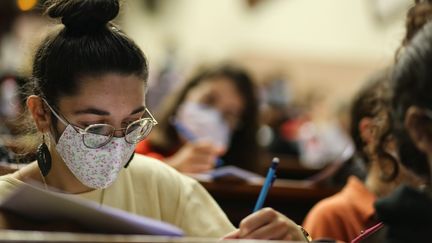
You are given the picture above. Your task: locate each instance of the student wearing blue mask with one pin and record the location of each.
(86, 101)
(214, 114)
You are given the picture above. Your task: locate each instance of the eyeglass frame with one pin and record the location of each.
(83, 131)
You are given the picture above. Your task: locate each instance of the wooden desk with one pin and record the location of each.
(40, 236)
(292, 198)
(289, 167)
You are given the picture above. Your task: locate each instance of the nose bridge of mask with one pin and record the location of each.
(118, 133)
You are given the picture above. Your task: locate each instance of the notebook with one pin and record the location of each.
(42, 205)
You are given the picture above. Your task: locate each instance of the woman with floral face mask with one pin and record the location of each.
(87, 95)
(213, 115)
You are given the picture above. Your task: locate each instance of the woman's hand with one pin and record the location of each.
(267, 224)
(196, 157)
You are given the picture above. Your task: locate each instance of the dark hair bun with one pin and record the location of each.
(83, 15)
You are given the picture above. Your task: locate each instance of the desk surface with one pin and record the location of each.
(44, 236)
(293, 198)
(282, 189)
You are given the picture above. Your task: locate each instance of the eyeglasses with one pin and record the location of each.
(97, 135)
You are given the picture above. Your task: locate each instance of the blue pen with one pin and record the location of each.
(271, 176)
(184, 132)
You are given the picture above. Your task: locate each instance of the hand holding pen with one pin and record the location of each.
(267, 223)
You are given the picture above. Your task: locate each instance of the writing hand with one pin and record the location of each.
(267, 224)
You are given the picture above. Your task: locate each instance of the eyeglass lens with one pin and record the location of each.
(99, 134)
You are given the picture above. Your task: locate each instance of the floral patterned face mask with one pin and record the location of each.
(96, 168)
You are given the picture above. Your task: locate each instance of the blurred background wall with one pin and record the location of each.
(325, 45)
(321, 50)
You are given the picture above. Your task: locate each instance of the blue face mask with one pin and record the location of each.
(203, 122)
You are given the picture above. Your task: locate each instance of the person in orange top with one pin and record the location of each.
(346, 214)
(218, 108)
(144, 147)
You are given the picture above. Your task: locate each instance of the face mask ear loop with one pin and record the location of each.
(131, 158)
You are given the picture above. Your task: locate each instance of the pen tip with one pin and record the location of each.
(275, 160)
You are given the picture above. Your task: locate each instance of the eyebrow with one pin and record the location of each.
(138, 110)
(99, 112)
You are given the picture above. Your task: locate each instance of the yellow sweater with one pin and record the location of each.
(150, 188)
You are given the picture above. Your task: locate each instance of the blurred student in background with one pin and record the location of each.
(322, 138)
(12, 106)
(344, 215)
(213, 115)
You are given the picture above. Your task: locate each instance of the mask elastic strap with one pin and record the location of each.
(127, 164)
(55, 113)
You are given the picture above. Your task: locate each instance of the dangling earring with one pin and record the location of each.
(127, 164)
(43, 158)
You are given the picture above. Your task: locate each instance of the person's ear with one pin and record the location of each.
(365, 127)
(40, 114)
(416, 127)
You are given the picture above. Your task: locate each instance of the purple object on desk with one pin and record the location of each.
(43, 205)
(233, 171)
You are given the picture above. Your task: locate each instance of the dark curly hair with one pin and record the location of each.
(412, 83)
